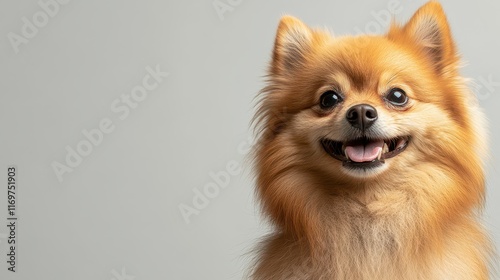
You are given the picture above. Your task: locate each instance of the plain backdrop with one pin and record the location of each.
(70, 68)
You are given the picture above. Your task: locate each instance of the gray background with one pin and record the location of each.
(116, 215)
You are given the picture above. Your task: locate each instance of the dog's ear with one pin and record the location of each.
(429, 31)
(293, 41)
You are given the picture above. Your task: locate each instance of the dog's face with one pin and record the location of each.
(365, 113)
(369, 106)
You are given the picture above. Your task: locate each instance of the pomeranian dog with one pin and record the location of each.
(369, 161)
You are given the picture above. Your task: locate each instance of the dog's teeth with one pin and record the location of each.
(379, 155)
(385, 149)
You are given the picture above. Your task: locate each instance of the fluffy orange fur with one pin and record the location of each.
(416, 217)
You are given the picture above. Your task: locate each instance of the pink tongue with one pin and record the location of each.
(364, 153)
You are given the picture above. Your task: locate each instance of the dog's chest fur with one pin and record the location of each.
(368, 242)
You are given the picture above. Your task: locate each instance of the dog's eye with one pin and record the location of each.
(397, 97)
(329, 99)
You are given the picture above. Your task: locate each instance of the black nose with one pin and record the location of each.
(361, 116)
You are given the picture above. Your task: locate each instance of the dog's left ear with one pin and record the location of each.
(429, 31)
(293, 42)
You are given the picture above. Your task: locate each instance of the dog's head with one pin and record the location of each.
(365, 107)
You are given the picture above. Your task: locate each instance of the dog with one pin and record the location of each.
(370, 156)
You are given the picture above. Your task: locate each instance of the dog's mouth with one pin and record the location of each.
(365, 152)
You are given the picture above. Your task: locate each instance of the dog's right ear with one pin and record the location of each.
(293, 41)
(428, 31)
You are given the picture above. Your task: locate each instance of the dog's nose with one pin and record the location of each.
(361, 116)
